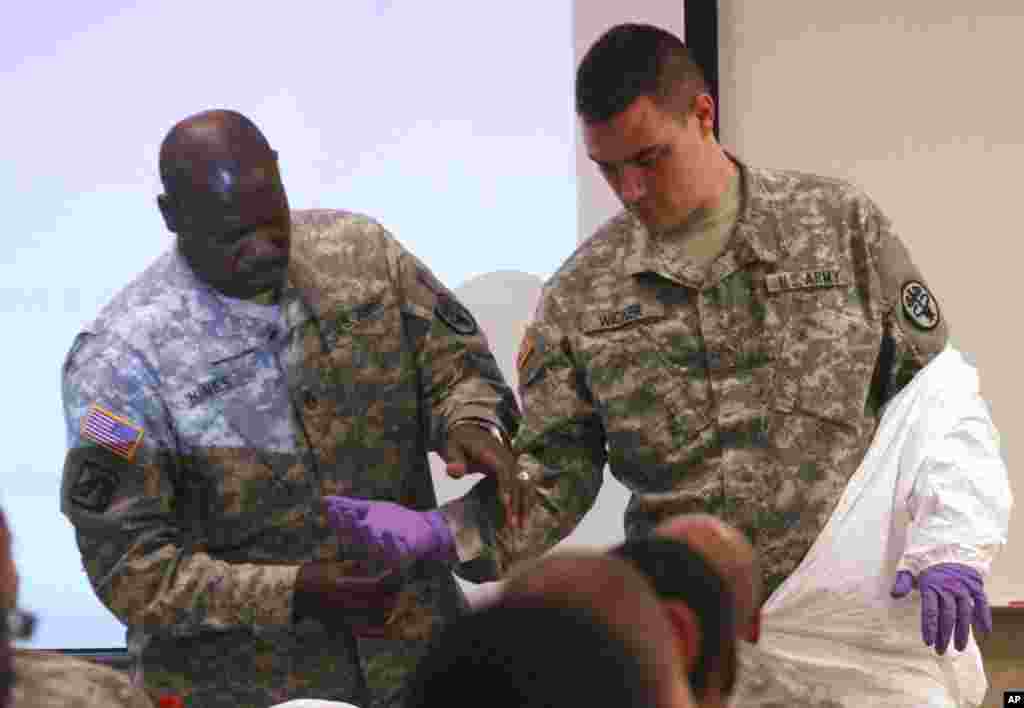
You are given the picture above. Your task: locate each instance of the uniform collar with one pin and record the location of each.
(755, 237)
(216, 314)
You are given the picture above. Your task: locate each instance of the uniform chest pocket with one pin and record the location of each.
(647, 383)
(346, 367)
(826, 359)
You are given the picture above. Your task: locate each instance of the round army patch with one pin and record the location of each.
(455, 315)
(919, 305)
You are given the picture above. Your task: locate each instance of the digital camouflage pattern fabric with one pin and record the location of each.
(51, 680)
(749, 390)
(203, 431)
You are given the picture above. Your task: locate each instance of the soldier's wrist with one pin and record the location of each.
(444, 550)
(303, 604)
(493, 428)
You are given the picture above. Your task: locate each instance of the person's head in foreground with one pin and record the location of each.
(620, 597)
(732, 555)
(530, 655)
(648, 124)
(700, 609)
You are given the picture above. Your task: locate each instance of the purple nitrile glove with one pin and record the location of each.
(952, 595)
(392, 533)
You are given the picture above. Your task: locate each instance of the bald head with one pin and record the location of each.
(195, 146)
(612, 590)
(225, 201)
(730, 554)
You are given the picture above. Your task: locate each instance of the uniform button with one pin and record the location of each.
(309, 398)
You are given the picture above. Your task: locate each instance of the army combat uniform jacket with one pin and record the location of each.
(203, 432)
(750, 391)
(45, 679)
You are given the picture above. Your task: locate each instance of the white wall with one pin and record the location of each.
(923, 109)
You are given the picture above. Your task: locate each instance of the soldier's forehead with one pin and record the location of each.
(227, 175)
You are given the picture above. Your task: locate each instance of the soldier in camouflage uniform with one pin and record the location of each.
(269, 359)
(726, 343)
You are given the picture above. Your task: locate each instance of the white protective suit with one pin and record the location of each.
(932, 488)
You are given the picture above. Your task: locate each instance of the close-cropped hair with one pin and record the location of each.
(678, 573)
(529, 655)
(633, 60)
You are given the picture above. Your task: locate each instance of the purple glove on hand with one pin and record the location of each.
(391, 532)
(951, 594)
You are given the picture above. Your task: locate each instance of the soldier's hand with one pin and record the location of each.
(333, 593)
(953, 600)
(391, 533)
(472, 449)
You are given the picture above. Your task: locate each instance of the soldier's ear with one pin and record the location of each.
(168, 212)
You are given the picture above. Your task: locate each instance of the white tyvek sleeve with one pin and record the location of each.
(960, 501)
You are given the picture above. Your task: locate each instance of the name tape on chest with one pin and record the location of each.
(801, 280)
(613, 319)
(214, 387)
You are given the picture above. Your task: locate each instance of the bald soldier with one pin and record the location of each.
(269, 359)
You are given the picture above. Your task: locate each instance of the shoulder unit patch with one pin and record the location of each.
(919, 305)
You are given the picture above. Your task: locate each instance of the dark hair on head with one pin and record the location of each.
(678, 573)
(633, 60)
(529, 655)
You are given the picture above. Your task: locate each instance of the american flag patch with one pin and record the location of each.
(114, 433)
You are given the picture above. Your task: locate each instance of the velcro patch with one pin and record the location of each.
(825, 278)
(613, 319)
(111, 432)
(455, 315)
(95, 482)
(919, 305)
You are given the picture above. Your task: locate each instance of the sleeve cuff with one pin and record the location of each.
(466, 535)
(274, 606)
(980, 558)
(483, 416)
